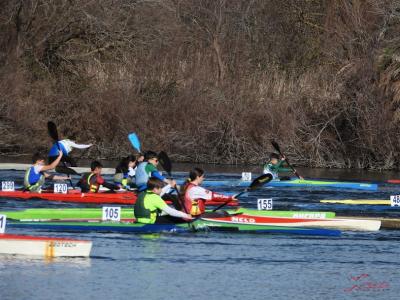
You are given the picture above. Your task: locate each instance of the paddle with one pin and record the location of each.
(166, 164)
(66, 170)
(52, 129)
(277, 148)
(134, 139)
(256, 183)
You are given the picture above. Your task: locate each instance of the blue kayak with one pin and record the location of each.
(208, 224)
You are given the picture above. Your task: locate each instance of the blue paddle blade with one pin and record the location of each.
(133, 138)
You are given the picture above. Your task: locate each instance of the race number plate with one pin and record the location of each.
(3, 220)
(246, 176)
(111, 213)
(60, 188)
(395, 200)
(265, 204)
(7, 186)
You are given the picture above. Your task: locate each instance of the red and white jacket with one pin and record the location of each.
(196, 196)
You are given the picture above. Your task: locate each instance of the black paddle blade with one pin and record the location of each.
(276, 146)
(260, 180)
(66, 170)
(165, 162)
(52, 128)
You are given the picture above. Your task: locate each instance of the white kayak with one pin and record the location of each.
(43, 246)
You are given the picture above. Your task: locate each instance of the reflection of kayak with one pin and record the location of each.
(127, 213)
(43, 246)
(76, 196)
(209, 224)
(358, 202)
(294, 182)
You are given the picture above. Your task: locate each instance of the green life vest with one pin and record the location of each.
(147, 207)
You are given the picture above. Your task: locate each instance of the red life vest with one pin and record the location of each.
(194, 207)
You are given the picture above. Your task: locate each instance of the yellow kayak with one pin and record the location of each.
(358, 202)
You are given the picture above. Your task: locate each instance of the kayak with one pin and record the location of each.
(43, 246)
(395, 181)
(75, 196)
(211, 224)
(331, 223)
(358, 202)
(246, 216)
(127, 213)
(295, 182)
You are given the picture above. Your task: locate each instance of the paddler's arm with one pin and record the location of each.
(283, 160)
(199, 192)
(157, 175)
(176, 213)
(55, 177)
(54, 164)
(161, 205)
(101, 181)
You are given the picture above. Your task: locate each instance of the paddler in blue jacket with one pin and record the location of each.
(275, 166)
(147, 169)
(66, 147)
(35, 176)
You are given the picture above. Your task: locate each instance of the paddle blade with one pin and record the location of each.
(260, 181)
(52, 128)
(135, 142)
(165, 162)
(276, 146)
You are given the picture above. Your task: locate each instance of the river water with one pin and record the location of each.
(221, 265)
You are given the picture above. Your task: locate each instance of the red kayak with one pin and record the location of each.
(76, 196)
(393, 181)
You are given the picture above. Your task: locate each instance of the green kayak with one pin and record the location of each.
(127, 213)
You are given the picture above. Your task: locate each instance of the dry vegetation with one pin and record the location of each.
(205, 80)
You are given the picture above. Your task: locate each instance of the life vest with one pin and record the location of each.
(143, 214)
(33, 181)
(195, 207)
(122, 179)
(89, 183)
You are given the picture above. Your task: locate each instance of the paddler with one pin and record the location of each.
(91, 182)
(147, 169)
(35, 175)
(126, 171)
(149, 206)
(195, 196)
(275, 166)
(66, 147)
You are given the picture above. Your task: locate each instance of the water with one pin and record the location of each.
(218, 265)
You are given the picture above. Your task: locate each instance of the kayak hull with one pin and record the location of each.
(43, 246)
(358, 202)
(330, 223)
(294, 182)
(75, 196)
(198, 225)
(127, 213)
